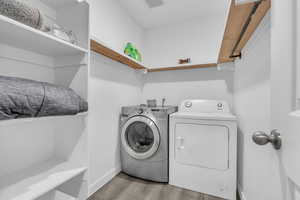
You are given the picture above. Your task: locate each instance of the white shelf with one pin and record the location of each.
(34, 182)
(22, 36)
(62, 196)
(29, 120)
(59, 3)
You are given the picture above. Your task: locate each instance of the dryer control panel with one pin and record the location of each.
(204, 106)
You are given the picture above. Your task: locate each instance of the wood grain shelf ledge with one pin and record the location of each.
(183, 67)
(238, 15)
(237, 18)
(105, 51)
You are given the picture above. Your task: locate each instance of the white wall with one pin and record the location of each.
(199, 39)
(284, 58)
(113, 26)
(14, 61)
(297, 194)
(111, 86)
(176, 86)
(258, 172)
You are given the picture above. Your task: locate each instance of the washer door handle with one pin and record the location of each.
(180, 142)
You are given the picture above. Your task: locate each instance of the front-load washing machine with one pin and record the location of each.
(145, 142)
(203, 148)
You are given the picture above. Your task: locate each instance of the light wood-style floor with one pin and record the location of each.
(123, 187)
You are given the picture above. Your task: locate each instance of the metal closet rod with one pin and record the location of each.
(245, 27)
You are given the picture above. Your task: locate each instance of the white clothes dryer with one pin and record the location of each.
(203, 148)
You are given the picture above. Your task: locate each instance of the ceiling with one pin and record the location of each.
(173, 11)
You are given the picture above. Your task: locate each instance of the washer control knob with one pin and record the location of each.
(188, 104)
(140, 111)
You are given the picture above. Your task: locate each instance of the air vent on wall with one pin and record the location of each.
(154, 3)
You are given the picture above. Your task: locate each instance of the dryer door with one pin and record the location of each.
(202, 145)
(140, 137)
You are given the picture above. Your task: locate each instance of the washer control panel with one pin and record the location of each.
(140, 111)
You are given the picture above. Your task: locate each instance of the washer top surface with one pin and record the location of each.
(204, 109)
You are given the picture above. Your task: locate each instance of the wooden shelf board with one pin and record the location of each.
(105, 51)
(238, 15)
(257, 18)
(183, 67)
(237, 18)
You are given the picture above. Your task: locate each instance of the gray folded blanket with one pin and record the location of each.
(20, 11)
(20, 98)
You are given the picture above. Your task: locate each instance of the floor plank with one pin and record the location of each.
(123, 187)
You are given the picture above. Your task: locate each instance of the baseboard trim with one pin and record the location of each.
(94, 187)
(241, 193)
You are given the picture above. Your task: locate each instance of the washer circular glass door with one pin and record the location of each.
(140, 137)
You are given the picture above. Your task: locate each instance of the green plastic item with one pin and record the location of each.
(136, 54)
(139, 56)
(132, 52)
(129, 50)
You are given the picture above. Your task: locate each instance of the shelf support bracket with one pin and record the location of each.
(236, 56)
